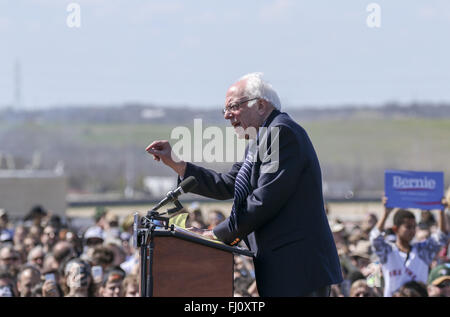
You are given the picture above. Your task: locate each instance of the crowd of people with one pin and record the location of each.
(43, 256)
(411, 258)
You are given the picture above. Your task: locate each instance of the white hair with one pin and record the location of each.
(36, 249)
(257, 87)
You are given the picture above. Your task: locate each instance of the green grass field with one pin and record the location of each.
(357, 146)
(411, 143)
(416, 143)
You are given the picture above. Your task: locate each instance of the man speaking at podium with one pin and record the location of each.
(278, 208)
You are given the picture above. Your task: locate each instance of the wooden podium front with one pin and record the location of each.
(187, 266)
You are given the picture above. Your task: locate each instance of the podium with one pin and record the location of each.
(183, 265)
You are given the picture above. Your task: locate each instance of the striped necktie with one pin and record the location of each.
(242, 187)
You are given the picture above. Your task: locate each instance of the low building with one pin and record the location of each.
(20, 190)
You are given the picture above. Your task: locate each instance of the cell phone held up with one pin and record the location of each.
(97, 273)
(50, 277)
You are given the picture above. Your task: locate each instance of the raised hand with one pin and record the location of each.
(387, 210)
(162, 151)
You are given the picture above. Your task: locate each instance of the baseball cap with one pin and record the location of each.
(6, 236)
(6, 291)
(362, 249)
(337, 227)
(439, 274)
(125, 236)
(94, 232)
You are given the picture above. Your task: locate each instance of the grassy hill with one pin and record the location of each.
(356, 149)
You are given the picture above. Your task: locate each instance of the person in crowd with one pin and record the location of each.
(361, 256)
(131, 264)
(214, 218)
(49, 237)
(63, 250)
(427, 219)
(21, 251)
(6, 233)
(36, 291)
(115, 246)
(362, 231)
(8, 284)
(29, 243)
(340, 236)
(439, 281)
(36, 215)
(99, 217)
(368, 223)
(130, 286)
(423, 232)
(112, 229)
(50, 262)
(29, 276)
(243, 276)
(10, 259)
(127, 223)
(112, 283)
(411, 289)
(102, 256)
(126, 236)
(35, 233)
(76, 242)
(195, 218)
(36, 257)
(404, 261)
(51, 285)
(93, 237)
(359, 288)
(78, 279)
(20, 234)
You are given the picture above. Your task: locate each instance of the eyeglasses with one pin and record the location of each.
(236, 105)
(443, 285)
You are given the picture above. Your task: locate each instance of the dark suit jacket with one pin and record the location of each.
(284, 220)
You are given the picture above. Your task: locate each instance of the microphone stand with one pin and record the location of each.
(143, 237)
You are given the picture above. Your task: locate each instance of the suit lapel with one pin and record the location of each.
(257, 163)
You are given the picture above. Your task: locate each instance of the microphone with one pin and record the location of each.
(185, 187)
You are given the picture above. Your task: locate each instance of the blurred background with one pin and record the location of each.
(79, 105)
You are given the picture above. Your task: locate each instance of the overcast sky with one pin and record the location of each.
(315, 53)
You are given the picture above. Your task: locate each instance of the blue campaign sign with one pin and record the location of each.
(409, 189)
